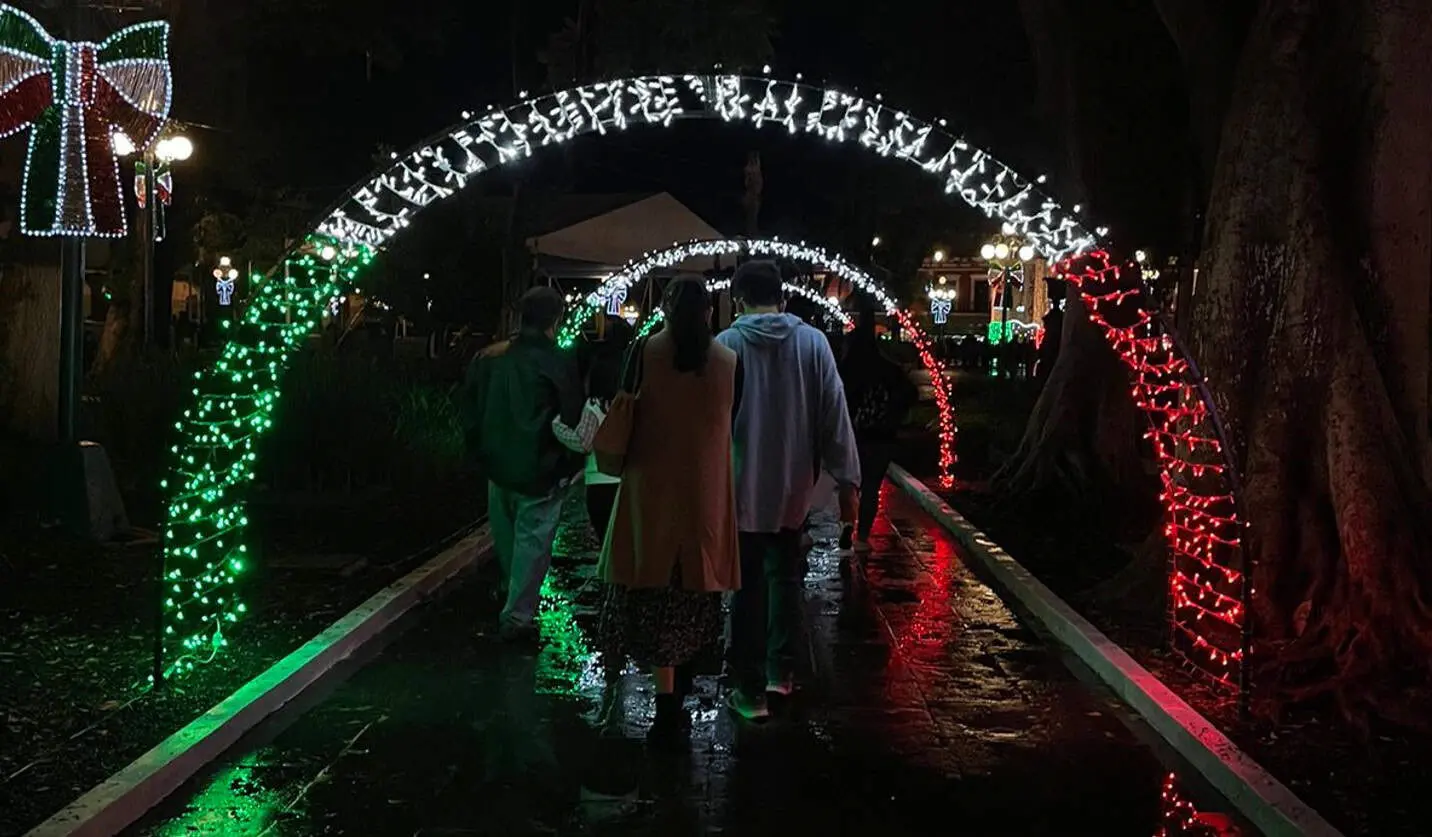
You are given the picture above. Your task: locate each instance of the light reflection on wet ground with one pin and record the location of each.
(926, 709)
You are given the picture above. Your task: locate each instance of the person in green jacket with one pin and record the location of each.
(514, 391)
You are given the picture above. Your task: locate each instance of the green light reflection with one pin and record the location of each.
(236, 802)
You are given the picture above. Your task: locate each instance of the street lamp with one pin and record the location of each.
(153, 179)
(1006, 254)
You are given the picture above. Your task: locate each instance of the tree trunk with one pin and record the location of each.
(1312, 325)
(30, 349)
(1081, 443)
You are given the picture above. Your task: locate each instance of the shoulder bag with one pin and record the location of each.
(610, 444)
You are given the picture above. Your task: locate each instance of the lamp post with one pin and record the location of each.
(158, 158)
(1006, 254)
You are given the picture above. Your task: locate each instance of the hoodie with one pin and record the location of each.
(791, 424)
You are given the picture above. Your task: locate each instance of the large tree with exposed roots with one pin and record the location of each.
(1310, 127)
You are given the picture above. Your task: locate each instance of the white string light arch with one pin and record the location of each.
(635, 271)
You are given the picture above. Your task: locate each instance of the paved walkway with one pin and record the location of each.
(926, 710)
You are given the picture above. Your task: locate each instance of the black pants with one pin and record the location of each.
(875, 459)
(766, 612)
(601, 498)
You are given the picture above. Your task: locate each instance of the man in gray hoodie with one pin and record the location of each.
(792, 423)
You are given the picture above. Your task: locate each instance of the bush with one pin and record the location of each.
(429, 431)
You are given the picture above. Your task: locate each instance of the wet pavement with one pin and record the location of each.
(925, 709)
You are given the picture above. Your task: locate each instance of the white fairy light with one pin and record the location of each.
(382, 206)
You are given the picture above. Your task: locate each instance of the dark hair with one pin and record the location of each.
(540, 309)
(687, 306)
(758, 283)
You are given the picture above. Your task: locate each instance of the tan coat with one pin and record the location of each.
(677, 495)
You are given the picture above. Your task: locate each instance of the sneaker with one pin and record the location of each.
(750, 707)
(785, 687)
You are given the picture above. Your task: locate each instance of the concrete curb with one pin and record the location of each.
(123, 798)
(1260, 798)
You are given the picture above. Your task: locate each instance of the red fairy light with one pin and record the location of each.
(1181, 818)
(1201, 526)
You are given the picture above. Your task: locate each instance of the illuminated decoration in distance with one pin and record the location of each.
(225, 276)
(942, 301)
(1208, 582)
(773, 248)
(235, 398)
(75, 98)
(614, 303)
(832, 306)
(1011, 330)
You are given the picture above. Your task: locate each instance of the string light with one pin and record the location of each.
(638, 269)
(1202, 529)
(234, 402)
(235, 399)
(1179, 817)
(1012, 329)
(716, 285)
(76, 99)
(387, 203)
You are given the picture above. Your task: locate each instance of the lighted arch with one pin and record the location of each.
(235, 398)
(831, 307)
(638, 269)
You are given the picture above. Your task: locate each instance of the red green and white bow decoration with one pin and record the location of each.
(997, 275)
(74, 98)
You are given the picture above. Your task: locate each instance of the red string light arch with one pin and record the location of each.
(1209, 584)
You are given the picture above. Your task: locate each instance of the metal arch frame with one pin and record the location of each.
(386, 202)
(639, 268)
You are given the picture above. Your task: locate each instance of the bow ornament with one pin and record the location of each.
(74, 98)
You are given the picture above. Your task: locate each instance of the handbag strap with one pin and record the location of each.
(635, 367)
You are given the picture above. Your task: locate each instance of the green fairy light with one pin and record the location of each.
(234, 400)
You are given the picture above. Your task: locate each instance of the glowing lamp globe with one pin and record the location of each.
(123, 145)
(1026, 253)
(987, 252)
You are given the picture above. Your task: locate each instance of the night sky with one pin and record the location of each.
(279, 94)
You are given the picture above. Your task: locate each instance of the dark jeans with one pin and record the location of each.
(875, 459)
(766, 613)
(601, 497)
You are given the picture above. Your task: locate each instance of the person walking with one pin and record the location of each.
(792, 423)
(514, 391)
(671, 549)
(603, 382)
(880, 395)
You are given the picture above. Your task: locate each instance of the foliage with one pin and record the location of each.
(429, 430)
(260, 235)
(350, 420)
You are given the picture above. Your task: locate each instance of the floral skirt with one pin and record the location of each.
(659, 626)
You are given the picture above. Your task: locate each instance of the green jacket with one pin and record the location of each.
(513, 391)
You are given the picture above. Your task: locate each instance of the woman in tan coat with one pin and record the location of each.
(671, 549)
